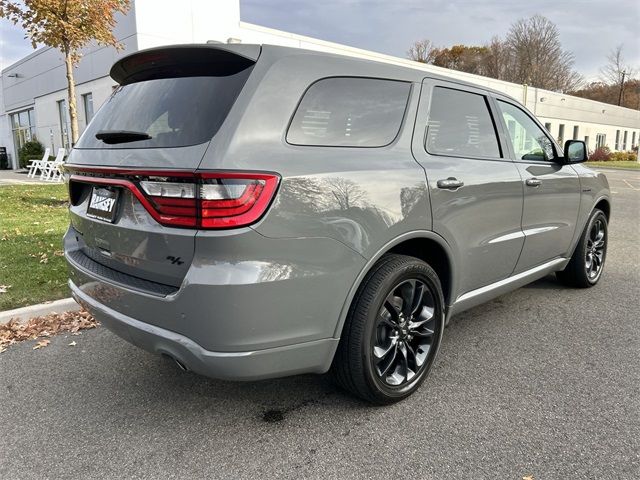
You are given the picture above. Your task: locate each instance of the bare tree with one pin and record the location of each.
(422, 51)
(537, 57)
(347, 193)
(612, 72)
(497, 59)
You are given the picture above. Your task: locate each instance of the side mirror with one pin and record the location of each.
(575, 151)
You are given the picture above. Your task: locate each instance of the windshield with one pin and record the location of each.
(167, 112)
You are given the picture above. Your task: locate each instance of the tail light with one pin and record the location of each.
(207, 200)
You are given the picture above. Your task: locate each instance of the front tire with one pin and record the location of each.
(392, 332)
(587, 262)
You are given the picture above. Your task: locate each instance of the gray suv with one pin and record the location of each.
(258, 211)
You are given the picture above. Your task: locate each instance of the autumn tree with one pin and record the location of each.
(68, 25)
(470, 59)
(531, 53)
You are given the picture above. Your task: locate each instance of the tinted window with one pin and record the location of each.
(528, 139)
(175, 112)
(460, 124)
(350, 112)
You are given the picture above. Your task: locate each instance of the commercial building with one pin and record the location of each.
(33, 97)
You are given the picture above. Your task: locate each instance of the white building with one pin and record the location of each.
(33, 95)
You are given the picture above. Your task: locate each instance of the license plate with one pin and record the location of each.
(103, 204)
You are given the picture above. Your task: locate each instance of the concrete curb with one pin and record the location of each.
(615, 169)
(25, 313)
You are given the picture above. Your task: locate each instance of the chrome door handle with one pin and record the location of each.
(450, 183)
(532, 182)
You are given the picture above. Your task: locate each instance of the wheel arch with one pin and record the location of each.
(605, 205)
(425, 245)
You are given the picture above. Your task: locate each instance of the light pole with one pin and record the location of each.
(621, 88)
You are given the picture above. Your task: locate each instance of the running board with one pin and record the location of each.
(486, 293)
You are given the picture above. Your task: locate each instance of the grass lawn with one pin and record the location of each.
(33, 219)
(623, 164)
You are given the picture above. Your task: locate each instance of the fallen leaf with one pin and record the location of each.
(73, 344)
(3, 349)
(4, 288)
(49, 325)
(42, 344)
(527, 477)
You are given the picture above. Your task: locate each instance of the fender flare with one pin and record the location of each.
(578, 236)
(423, 234)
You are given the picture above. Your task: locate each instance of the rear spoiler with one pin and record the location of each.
(184, 61)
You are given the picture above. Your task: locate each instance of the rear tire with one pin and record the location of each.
(392, 332)
(587, 262)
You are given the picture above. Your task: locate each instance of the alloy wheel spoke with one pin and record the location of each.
(381, 352)
(404, 360)
(393, 311)
(408, 291)
(391, 361)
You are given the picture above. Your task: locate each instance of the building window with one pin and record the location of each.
(576, 132)
(548, 127)
(633, 140)
(63, 118)
(87, 102)
(23, 128)
(624, 140)
(586, 142)
(601, 140)
(561, 134)
(617, 140)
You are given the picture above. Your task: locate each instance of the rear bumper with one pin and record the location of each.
(307, 357)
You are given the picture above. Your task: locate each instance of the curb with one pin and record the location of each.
(615, 169)
(24, 314)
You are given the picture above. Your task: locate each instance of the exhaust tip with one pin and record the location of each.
(180, 365)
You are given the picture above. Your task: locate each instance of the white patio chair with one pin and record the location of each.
(50, 170)
(35, 165)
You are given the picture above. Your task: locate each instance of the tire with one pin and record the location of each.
(388, 345)
(585, 268)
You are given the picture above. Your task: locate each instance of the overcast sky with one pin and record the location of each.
(588, 28)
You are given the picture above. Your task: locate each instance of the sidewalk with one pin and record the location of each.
(24, 314)
(19, 177)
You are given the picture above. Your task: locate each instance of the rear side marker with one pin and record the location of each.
(204, 200)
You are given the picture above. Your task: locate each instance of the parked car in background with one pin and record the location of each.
(259, 211)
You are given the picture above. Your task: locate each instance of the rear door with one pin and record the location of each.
(131, 175)
(475, 189)
(551, 189)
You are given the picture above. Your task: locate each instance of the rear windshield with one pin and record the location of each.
(173, 112)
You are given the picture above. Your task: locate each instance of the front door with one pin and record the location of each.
(476, 190)
(551, 189)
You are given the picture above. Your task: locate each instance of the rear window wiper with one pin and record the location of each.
(121, 136)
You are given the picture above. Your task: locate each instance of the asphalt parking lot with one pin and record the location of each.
(542, 382)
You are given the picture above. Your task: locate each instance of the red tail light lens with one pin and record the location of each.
(207, 200)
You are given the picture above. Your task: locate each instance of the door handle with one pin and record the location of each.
(450, 183)
(532, 182)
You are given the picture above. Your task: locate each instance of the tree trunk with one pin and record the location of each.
(71, 90)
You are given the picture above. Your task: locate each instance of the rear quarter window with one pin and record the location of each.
(350, 112)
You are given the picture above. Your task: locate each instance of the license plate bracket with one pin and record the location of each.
(103, 204)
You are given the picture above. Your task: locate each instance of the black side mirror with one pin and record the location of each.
(575, 151)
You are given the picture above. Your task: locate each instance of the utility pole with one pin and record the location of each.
(621, 88)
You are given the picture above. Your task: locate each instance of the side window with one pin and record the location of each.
(350, 112)
(460, 124)
(529, 141)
